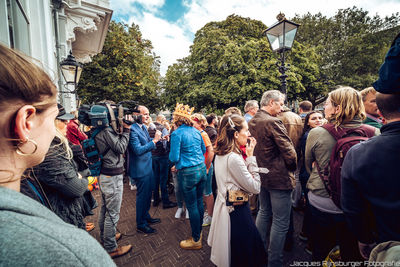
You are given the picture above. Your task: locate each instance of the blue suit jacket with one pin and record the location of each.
(140, 146)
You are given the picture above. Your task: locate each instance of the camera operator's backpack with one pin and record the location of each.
(94, 157)
(100, 117)
(345, 139)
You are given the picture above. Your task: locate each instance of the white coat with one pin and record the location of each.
(231, 172)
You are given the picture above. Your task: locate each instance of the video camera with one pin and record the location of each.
(106, 114)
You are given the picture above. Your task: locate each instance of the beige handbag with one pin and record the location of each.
(235, 197)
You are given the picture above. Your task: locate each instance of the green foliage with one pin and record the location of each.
(351, 44)
(231, 62)
(127, 69)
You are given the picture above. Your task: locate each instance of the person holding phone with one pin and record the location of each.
(233, 236)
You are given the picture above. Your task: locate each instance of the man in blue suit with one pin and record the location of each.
(141, 171)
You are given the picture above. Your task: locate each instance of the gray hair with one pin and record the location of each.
(160, 118)
(250, 104)
(269, 95)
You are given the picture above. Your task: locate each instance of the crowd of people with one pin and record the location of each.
(241, 175)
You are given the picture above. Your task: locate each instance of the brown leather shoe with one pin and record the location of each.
(120, 250)
(89, 227)
(117, 236)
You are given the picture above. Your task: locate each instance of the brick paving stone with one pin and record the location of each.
(162, 249)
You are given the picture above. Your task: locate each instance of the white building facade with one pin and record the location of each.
(47, 30)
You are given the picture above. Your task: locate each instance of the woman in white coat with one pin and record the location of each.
(233, 237)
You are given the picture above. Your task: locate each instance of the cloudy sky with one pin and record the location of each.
(171, 24)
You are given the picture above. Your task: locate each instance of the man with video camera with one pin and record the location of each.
(141, 171)
(112, 146)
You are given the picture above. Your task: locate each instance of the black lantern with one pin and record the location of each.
(281, 36)
(71, 70)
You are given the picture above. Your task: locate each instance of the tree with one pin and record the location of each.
(352, 45)
(127, 69)
(231, 62)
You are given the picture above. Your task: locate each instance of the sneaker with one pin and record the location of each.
(207, 221)
(133, 187)
(190, 244)
(187, 214)
(178, 213)
(120, 250)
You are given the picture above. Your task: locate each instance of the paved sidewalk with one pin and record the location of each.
(162, 249)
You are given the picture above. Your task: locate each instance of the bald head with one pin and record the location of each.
(145, 114)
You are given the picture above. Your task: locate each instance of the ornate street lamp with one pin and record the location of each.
(281, 36)
(71, 71)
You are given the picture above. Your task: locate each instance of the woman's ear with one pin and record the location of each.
(24, 122)
(236, 134)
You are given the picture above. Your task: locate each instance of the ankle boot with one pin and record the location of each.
(191, 244)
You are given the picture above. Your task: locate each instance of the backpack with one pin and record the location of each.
(93, 156)
(345, 139)
(99, 117)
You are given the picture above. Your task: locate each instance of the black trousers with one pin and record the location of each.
(247, 248)
(329, 230)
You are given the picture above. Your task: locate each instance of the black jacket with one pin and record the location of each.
(371, 187)
(59, 178)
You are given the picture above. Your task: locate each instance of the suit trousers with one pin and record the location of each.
(143, 199)
(160, 171)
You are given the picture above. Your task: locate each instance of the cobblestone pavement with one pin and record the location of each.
(162, 249)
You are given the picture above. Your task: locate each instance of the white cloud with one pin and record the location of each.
(151, 5)
(203, 11)
(171, 41)
(127, 6)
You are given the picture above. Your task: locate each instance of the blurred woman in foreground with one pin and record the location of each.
(30, 234)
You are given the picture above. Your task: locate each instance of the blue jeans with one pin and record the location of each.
(208, 184)
(276, 204)
(160, 172)
(143, 199)
(191, 180)
(178, 191)
(111, 193)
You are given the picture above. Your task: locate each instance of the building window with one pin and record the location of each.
(18, 25)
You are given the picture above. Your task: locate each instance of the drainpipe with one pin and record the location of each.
(56, 7)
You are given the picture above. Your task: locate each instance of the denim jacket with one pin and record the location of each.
(187, 147)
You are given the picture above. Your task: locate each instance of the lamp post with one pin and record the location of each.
(71, 71)
(281, 36)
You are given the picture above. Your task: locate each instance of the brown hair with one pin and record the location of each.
(305, 105)
(225, 140)
(350, 105)
(307, 118)
(179, 120)
(22, 80)
(233, 110)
